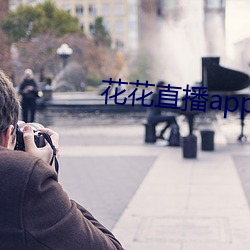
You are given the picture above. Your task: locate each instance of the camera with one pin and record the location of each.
(38, 137)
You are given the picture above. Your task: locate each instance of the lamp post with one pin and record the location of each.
(64, 51)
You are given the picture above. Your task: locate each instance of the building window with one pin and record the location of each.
(79, 10)
(106, 9)
(119, 44)
(82, 26)
(92, 10)
(107, 25)
(214, 4)
(119, 27)
(67, 8)
(91, 27)
(119, 9)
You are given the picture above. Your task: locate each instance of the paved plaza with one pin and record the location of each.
(149, 195)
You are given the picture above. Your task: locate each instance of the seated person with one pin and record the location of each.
(35, 211)
(154, 114)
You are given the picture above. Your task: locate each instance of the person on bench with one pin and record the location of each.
(154, 114)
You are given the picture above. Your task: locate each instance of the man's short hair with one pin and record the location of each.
(9, 104)
(161, 83)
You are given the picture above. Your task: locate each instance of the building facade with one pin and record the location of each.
(147, 10)
(120, 18)
(15, 3)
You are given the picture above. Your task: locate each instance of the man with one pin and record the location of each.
(154, 114)
(35, 212)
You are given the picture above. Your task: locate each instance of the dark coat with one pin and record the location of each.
(31, 94)
(36, 214)
(152, 111)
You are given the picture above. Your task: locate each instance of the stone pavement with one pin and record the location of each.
(189, 204)
(184, 204)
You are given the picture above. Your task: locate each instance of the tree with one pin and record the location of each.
(42, 18)
(142, 67)
(100, 33)
(95, 63)
(5, 63)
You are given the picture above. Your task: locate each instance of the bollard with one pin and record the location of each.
(189, 146)
(207, 140)
(150, 134)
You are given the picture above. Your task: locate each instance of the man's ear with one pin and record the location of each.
(7, 140)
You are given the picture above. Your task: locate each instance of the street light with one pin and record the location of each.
(64, 51)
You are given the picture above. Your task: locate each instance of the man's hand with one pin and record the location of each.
(45, 153)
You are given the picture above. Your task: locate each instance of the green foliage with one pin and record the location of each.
(42, 18)
(142, 68)
(93, 80)
(100, 33)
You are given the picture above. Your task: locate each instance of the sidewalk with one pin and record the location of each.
(188, 204)
(149, 195)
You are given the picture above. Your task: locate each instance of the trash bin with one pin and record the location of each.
(150, 136)
(189, 146)
(207, 140)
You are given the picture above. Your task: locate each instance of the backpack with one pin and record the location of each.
(174, 136)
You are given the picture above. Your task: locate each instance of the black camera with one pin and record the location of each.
(38, 137)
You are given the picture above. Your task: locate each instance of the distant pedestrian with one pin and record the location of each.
(29, 91)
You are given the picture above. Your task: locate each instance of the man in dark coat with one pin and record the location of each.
(35, 212)
(29, 92)
(154, 114)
